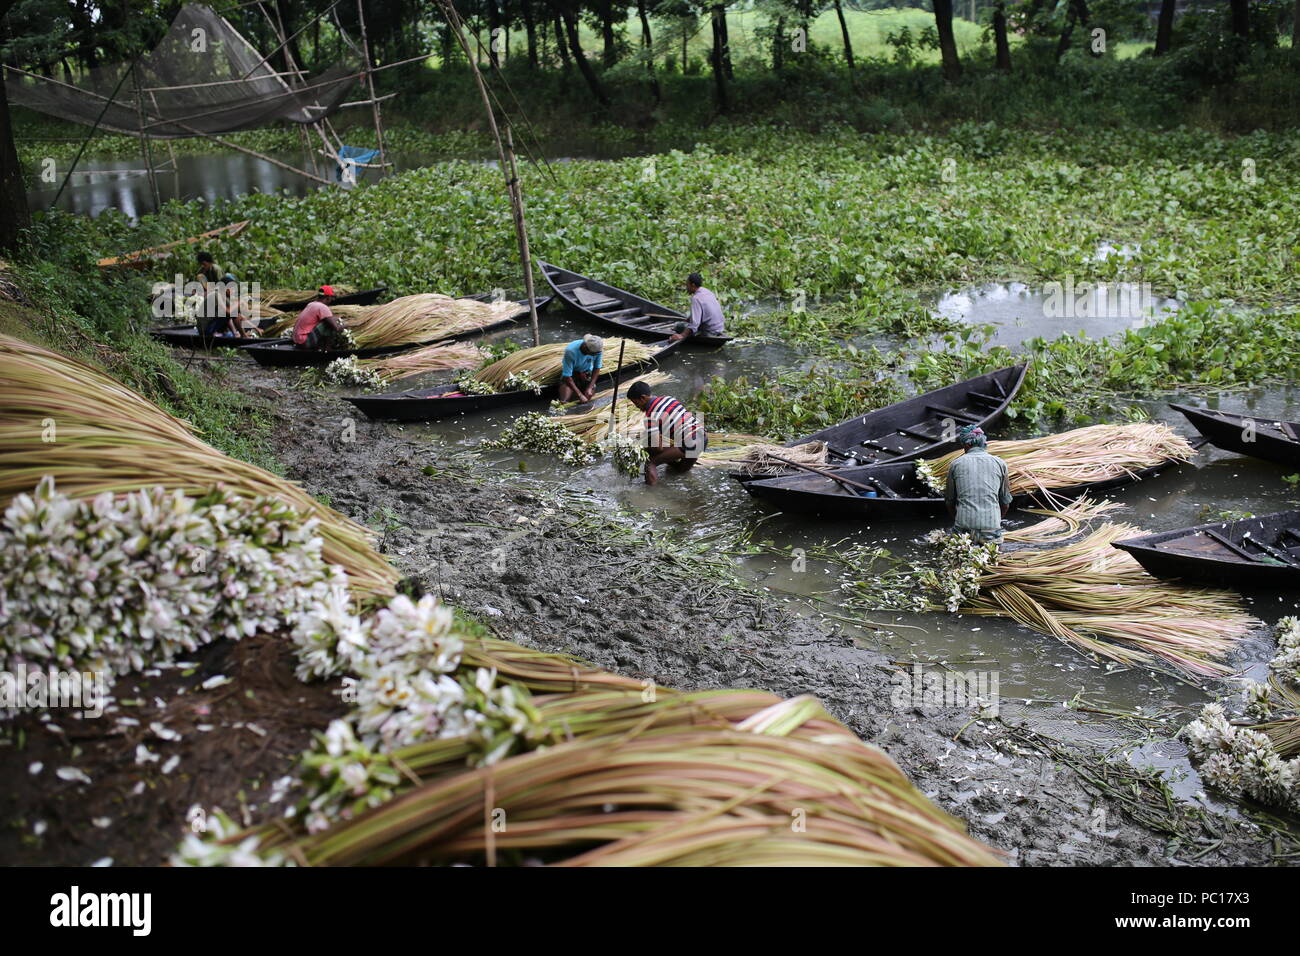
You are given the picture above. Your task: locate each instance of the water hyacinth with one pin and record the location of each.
(116, 584)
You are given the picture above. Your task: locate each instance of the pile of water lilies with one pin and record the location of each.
(91, 435)
(469, 750)
(378, 373)
(114, 584)
(533, 368)
(1258, 756)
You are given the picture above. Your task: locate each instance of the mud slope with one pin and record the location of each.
(536, 572)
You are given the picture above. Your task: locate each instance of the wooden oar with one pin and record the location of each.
(846, 482)
(618, 372)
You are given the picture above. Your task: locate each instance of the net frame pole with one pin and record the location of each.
(370, 82)
(145, 149)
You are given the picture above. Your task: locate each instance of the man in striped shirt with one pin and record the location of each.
(978, 492)
(673, 435)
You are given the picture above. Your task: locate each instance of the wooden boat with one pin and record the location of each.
(189, 337)
(444, 401)
(917, 427)
(900, 494)
(141, 258)
(617, 309)
(290, 356)
(1261, 552)
(1270, 439)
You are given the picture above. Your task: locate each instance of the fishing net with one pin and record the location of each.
(203, 77)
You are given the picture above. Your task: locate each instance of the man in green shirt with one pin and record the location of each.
(978, 492)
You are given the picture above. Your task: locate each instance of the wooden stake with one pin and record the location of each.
(507, 162)
(370, 80)
(618, 374)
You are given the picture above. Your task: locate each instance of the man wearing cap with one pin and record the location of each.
(581, 368)
(674, 437)
(316, 326)
(979, 491)
(706, 312)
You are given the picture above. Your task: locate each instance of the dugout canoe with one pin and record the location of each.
(1268, 438)
(902, 496)
(445, 401)
(1262, 552)
(922, 427)
(290, 356)
(618, 309)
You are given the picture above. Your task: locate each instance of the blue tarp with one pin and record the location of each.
(355, 153)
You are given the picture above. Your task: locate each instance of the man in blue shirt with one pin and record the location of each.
(706, 311)
(581, 368)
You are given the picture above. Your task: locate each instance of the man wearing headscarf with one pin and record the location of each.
(979, 491)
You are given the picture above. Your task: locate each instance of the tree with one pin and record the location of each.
(717, 56)
(14, 214)
(1165, 27)
(1000, 44)
(648, 49)
(1240, 18)
(947, 42)
(844, 32)
(569, 15)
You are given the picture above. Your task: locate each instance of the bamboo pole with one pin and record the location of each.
(145, 149)
(370, 81)
(507, 162)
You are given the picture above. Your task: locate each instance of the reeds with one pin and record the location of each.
(706, 778)
(542, 364)
(412, 319)
(93, 435)
(1099, 599)
(749, 455)
(431, 358)
(1081, 456)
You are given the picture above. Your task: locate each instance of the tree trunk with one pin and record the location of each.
(778, 45)
(648, 48)
(947, 42)
(1000, 44)
(575, 47)
(715, 59)
(1241, 18)
(1165, 26)
(609, 55)
(1295, 30)
(726, 42)
(494, 32)
(561, 44)
(844, 31)
(1063, 43)
(530, 28)
(14, 214)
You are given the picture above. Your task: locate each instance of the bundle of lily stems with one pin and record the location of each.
(1081, 456)
(431, 358)
(709, 778)
(412, 319)
(275, 298)
(542, 364)
(1099, 599)
(65, 419)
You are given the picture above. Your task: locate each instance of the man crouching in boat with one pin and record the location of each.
(673, 435)
(580, 368)
(706, 311)
(978, 491)
(316, 326)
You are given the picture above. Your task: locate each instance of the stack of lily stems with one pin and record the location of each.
(544, 362)
(274, 298)
(62, 418)
(592, 426)
(431, 358)
(1087, 591)
(751, 455)
(705, 778)
(1095, 453)
(412, 319)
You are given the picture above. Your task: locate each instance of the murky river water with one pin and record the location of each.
(1036, 673)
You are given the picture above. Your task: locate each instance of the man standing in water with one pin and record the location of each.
(706, 312)
(979, 491)
(673, 435)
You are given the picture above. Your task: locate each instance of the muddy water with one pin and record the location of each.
(1036, 674)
